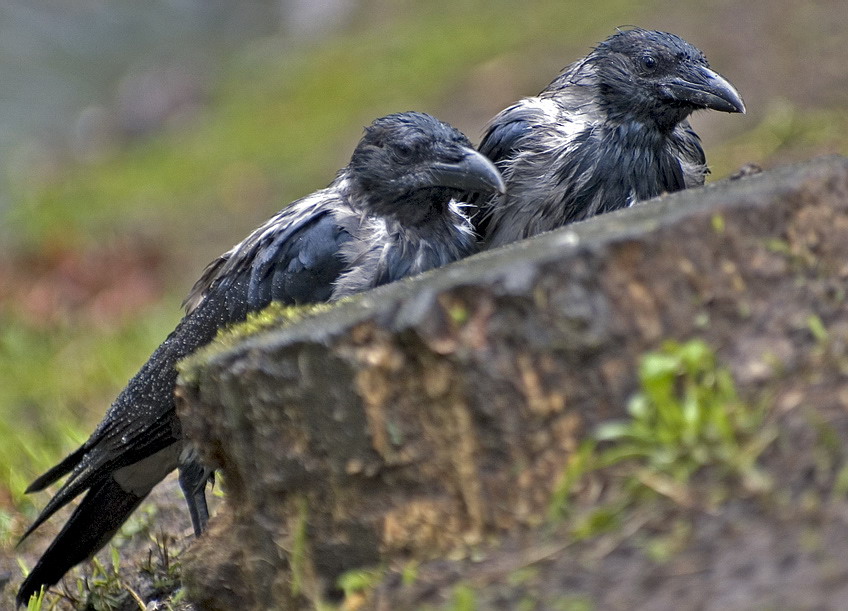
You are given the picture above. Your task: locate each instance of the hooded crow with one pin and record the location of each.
(609, 131)
(394, 211)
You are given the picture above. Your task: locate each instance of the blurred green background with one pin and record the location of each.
(140, 140)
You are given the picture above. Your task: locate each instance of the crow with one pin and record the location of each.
(392, 212)
(609, 131)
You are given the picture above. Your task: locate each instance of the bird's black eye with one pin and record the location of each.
(404, 151)
(649, 62)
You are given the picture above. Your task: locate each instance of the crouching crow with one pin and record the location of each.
(392, 212)
(609, 131)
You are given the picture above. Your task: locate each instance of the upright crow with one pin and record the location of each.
(609, 131)
(392, 212)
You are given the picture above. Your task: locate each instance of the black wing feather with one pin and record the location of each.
(299, 267)
(503, 138)
(505, 133)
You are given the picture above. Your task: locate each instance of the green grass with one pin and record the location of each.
(57, 381)
(36, 601)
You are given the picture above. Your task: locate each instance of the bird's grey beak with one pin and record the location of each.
(474, 172)
(704, 88)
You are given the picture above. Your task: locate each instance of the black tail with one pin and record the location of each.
(105, 507)
(58, 471)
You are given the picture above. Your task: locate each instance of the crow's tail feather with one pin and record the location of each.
(70, 461)
(104, 509)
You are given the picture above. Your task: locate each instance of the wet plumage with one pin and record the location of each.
(609, 131)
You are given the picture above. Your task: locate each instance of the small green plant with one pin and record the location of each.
(579, 464)
(600, 520)
(686, 416)
(358, 581)
(105, 590)
(162, 565)
(36, 601)
(817, 328)
(275, 314)
(409, 574)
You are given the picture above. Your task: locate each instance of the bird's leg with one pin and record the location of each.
(193, 478)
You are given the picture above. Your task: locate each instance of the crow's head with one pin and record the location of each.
(658, 77)
(409, 165)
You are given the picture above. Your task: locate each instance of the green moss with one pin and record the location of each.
(459, 314)
(275, 316)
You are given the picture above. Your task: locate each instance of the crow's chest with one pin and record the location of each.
(620, 166)
(643, 156)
